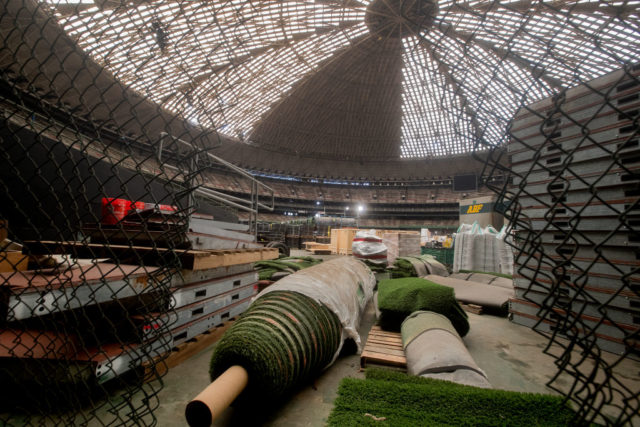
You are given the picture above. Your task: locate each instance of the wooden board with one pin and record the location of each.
(471, 308)
(13, 261)
(342, 239)
(321, 251)
(383, 348)
(190, 259)
(215, 259)
(314, 246)
(184, 351)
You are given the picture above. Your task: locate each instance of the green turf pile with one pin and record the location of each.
(402, 267)
(396, 399)
(376, 268)
(398, 298)
(283, 339)
(506, 276)
(287, 265)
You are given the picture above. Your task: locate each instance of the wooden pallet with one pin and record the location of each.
(190, 259)
(383, 348)
(184, 351)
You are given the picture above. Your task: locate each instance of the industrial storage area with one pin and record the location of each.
(319, 212)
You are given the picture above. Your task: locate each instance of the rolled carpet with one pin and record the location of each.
(470, 292)
(434, 349)
(398, 298)
(417, 266)
(282, 340)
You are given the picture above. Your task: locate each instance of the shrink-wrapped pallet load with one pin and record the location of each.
(478, 249)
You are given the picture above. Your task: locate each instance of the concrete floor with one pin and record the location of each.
(510, 354)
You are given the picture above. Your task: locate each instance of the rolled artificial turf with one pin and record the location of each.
(266, 269)
(506, 276)
(403, 267)
(282, 340)
(376, 268)
(398, 298)
(396, 399)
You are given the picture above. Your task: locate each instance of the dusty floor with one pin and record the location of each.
(510, 354)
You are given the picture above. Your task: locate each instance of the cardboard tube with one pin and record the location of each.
(214, 399)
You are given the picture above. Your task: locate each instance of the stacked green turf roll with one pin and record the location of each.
(398, 298)
(283, 339)
(403, 267)
(283, 266)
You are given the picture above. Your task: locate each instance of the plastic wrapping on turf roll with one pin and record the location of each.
(469, 292)
(283, 339)
(344, 285)
(434, 349)
(417, 266)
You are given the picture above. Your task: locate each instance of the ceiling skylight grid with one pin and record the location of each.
(226, 65)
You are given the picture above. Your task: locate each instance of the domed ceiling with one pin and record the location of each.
(350, 79)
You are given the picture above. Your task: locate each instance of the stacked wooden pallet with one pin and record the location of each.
(383, 348)
(342, 239)
(600, 144)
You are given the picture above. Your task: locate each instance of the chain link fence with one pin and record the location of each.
(97, 182)
(571, 198)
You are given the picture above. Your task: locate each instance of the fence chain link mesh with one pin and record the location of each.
(570, 194)
(86, 139)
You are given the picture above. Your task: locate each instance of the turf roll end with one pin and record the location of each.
(283, 339)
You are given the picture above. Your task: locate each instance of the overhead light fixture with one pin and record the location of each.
(360, 208)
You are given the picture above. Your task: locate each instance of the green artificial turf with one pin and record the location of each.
(376, 268)
(282, 340)
(398, 298)
(403, 400)
(402, 267)
(266, 269)
(506, 276)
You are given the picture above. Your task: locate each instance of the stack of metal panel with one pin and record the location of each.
(576, 166)
(204, 299)
(127, 317)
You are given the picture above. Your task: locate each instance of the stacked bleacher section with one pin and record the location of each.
(584, 214)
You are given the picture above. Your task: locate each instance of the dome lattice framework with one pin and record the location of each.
(352, 79)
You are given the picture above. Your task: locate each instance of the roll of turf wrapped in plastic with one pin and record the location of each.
(283, 339)
(343, 285)
(293, 330)
(434, 349)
